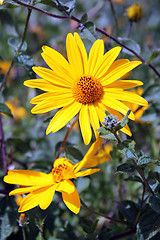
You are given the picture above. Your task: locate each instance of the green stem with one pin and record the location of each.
(114, 16)
(103, 215)
(19, 48)
(66, 136)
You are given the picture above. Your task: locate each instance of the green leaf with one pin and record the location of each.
(149, 225)
(123, 122)
(70, 5)
(5, 228)
(5, 109)
(11, 4)
(131, 44)
(84, 18)
(134, 179)
(155, 53)
(87, 35)
(152, 93)
(73, 153)
(129, 210)
(106, 134)
(125, 168)
(88, 225)
(127, 149)
(49, 3)
(155, 203)
(145, 160)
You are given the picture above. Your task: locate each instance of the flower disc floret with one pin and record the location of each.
(59, 172)
(87, 90)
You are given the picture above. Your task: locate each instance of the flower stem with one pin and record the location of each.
(114, 15)
(66, 136)
(103, 215)
(19, 48)
(69, 16)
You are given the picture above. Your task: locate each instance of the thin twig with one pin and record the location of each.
(124, 234)
(103, 215)
(66, 136)
(19, 48)
(3, 147)
(69, 16)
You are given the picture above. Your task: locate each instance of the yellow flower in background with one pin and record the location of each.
(84, 84)
(18, 112)
(104, 152)
(41, 186)
(4, 66)
(135, 107)
(135, 12)
(1, 2)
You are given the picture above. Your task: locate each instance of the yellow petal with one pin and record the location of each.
(66, 186)
(116, 105)
(82, 51)
(61, 161)
(85, 163)
(28, 178)
(88, 171)
(119, 72)
(100, 109)
(63, 116)
(74, 55)
(125, 84)
(72, 201)
(117, 63)
(106, 61)
(34, 199)
(85, 124)
(94, 119)
(24, 190)
(95, 56)
(125, 96)
(52, 77)
(47, 197)
(53, 102)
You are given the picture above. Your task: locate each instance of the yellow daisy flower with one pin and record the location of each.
(41, 186)
(84, 84)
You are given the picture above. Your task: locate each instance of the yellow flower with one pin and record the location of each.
(18, 112)
(42, 186)
(135, 12)
(84, 85)
(135, 107)
(1, 2)
(105, 152)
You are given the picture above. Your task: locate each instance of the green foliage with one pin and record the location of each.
(4, 109)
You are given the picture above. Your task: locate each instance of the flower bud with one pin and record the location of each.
(135, 12)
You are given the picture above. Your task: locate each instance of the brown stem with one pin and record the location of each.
(3, 147)
(66, 136)
(97, 29)
(19, 48)
(63, 9)
(103, 215)
(124, 234)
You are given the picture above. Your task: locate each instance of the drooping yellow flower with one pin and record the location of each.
(135, 12)
(135, 107)
(84, 85)
(41, 186)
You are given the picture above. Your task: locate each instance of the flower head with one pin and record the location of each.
(84, 84)
(1, 2)
(41, 186)
(135, 12)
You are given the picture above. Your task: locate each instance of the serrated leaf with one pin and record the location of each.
(155, 53)
(131, 44)
(84, 18)
(145, 160)
(127, 149)
(149, 225)
(106, 134)
(5, 228)
(129, 210)
(125, 168)
(5, 109)
(155, 203)
(123, 122)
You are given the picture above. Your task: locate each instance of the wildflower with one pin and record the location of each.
(4, 66)
(84, 85)
(18, 112)
(138, 112)
(104, 152)
(135, 12)
(42, 186)
(1, 2)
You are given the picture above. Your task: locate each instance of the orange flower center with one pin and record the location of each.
(59, 172)
(87, 90)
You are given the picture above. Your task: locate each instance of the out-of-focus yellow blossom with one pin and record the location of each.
(4, 66)
(18, 112)
(135, 12)
(22, 217)
(104, 152)
(134, 107)
(41, 186)
(1, 2)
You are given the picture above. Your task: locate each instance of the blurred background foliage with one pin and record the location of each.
(117, 191)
